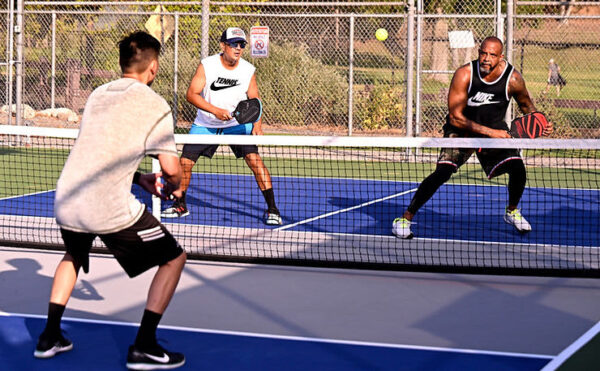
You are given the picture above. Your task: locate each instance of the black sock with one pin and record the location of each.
(182, 198)
(55, 313)
(146, 336)
(270, 199)
(517, 178)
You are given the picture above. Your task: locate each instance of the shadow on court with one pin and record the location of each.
(25, 278)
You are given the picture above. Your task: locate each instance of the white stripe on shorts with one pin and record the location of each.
(151, 234)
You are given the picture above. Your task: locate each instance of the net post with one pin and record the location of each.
(155, 200)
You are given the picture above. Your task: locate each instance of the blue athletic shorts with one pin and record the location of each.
(193, 151)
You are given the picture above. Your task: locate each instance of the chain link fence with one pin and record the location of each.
(326, 73)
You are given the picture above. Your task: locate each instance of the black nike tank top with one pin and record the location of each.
(487, 101)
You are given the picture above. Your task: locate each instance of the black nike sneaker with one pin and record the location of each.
(47, 347)
(157, 359)
(177, 210)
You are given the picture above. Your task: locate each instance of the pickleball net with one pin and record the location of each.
(338, 197)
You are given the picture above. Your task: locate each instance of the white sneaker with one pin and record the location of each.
(401, 228)
(515, 218)
(273, 219)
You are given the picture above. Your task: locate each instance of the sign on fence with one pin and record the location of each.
(461, 39)
(259, 41)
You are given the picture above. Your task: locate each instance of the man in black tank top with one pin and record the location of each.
(479, 96)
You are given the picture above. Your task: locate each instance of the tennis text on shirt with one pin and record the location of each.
(224, 89)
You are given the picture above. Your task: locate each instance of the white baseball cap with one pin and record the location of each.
(233, 34)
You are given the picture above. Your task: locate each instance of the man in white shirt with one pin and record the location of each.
(221, 81)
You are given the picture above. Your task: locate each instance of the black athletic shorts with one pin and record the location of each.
(491, 159)
(193, 151)
(138, 248)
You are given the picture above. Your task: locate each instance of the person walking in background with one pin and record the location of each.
(554, 77)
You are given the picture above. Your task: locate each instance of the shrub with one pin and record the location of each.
(380, 108)
(562, 127)
(298, 89)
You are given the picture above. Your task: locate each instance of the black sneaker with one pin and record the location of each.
(177, 210)
(159, 359)
(48, 347)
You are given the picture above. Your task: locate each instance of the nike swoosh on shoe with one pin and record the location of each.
(164, 359)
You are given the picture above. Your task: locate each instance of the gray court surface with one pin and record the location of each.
(533, 315)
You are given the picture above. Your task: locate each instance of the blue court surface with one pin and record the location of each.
(102, 345)
(350, 206)
(227, 316)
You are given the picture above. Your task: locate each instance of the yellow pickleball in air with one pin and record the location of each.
(381, 34)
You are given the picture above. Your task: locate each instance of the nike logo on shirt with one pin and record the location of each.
(222, 83)
(164, 359)
(481, 99)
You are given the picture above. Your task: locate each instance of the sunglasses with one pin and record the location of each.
(241, 44)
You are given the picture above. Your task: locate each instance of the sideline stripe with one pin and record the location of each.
(571, 349)
(27, 194)
(344, 210)
(293, 338)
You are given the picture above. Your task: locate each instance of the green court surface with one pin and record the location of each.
(583, 354)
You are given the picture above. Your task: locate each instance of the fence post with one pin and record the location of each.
(11, 37)
(499, 21)
(19, 64)
(410, 65)
(351, 77)
(175, 69)
(73, 71)
(509, 30)
(53, 64)
(205, 28)
(510, 7)
(419, 67)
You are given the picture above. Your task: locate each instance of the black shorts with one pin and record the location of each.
(193, 151)
(491, 159)
(138, 248)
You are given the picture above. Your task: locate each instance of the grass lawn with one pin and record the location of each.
(30, 169)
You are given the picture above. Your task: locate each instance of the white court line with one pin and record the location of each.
(288, 226)
(571, 349)
(27, 194)
(295, 338)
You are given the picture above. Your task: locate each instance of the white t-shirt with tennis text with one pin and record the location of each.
(123, 121)
(224, 89)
